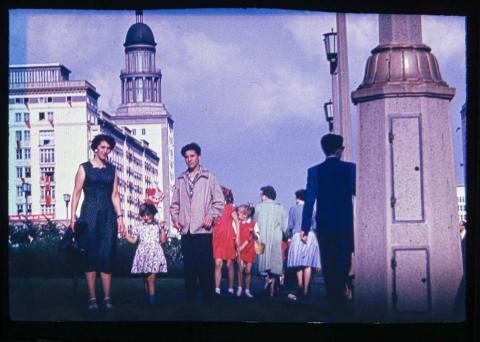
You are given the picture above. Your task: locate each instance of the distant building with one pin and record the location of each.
(142, 109)
(461, 203)
(52, 121)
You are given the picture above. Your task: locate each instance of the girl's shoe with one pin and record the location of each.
(107, 303)
(248, 294)
(92, 304)
(239, 292)
(267, 284)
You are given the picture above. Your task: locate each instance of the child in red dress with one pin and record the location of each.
(223, 241)
(247, 234)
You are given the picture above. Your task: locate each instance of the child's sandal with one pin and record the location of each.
(92, 304)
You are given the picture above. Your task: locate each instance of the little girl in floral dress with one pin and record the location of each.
(149, 258)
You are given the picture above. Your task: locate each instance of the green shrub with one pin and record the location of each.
(41, 257)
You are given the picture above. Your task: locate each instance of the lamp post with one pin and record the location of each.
(330, 40)
(66, 198)
(26, 188)
(328, 108)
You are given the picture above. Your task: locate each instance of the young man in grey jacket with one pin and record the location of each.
(197, 201)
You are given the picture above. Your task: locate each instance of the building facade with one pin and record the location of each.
(142, 109)
(461, 203)
(52, 121)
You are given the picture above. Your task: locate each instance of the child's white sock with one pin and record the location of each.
(239, 291)
(217, 290)
(248, 294)
(230, 290)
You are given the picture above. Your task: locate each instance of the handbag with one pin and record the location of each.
(259, 247)
(69, 239)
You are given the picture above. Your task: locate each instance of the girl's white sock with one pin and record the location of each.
(239, 291)
(230, 290)
(217, 290)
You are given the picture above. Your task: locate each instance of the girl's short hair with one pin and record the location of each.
(147, 209)
(102, 137)
(249, 208)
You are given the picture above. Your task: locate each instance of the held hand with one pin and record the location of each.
(303, 237)
(72, 223)
(177, 224)
(162, 224)
(207, 222)
(121, 227)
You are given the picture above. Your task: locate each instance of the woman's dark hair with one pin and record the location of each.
(300, 194)
(228, 194)
(191, 146)
(102, 137)
(330, 143)
(269, 191)
(147, 209)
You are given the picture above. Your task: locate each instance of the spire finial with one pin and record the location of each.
(139, 16)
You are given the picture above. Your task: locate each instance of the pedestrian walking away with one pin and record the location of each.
(331, 184)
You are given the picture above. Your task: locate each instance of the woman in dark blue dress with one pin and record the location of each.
(100, 217)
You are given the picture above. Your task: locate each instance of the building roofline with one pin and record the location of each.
(39, 65)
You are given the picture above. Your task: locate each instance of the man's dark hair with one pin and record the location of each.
(147, 208)
(300, 194)
(269, 191)
(102, 137)
(331, 142)
(191, 146)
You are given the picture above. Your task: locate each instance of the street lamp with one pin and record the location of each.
(330, 40)
(66, 198)
(328, 108)
(26, 188)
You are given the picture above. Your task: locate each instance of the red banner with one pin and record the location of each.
(51, 122)
(27, 123)
(48, 198)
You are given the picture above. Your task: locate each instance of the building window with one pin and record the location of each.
(43, 193)
(28, 172)
(19, 153)
(143, 131)
(47, 209)
(29, 208)
(47, 170)
(41, 116)
(19, 172)
(18, 135)
(26, 153)
(49, 99)
(18, 100)
(47, 155)
(69, 99)
(41, 99)
(19, 191)
(50, 116)
(18, 117)
(26, 135)
(46, 137)
(19, 208)
(134, 132)
(26, 116)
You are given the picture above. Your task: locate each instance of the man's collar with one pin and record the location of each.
(201, 171)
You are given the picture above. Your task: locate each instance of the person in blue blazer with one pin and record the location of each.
(332, 185)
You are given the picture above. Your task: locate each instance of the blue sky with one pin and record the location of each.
(247, 85)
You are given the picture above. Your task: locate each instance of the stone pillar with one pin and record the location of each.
(408, 257)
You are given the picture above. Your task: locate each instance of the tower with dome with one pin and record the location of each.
(141, 108)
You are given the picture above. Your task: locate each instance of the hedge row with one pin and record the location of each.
(34, 252)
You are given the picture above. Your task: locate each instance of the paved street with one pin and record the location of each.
(55, 300)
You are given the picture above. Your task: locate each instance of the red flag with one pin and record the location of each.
(51, 122)
(48, 198)
(27, 123)
(47, 183)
